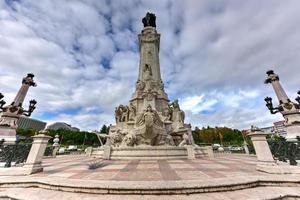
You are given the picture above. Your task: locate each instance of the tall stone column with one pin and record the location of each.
(149, 86)
(11, 113)
(288, 109)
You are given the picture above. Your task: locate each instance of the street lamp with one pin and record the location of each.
(298, 99)
(2, 102)
(269, 105)
(31, 108)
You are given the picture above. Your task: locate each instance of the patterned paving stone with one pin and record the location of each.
(76, 167)
(148, 166)
(122, 166)
(192, 175)
(179, 166)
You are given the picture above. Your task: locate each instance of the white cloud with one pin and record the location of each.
(213, 56)
(196, 104)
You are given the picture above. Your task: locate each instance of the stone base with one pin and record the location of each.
(8, 134)
(33, 168)
(293, 131)
(152, 152)
(277, 169)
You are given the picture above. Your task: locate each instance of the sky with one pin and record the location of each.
(213, 56)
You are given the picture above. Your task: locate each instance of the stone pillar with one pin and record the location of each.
(190, 152)
(35, 156)
(274, 80)
(246, 148)
(265, 161)
(209, 151)
(106, 152)
(88, 151)
(261, 146)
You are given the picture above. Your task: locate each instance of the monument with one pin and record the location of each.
(11, 113)
(150, 120)
(288, 109)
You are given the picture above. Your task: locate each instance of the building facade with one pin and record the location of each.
(26, 122)
(62, 125)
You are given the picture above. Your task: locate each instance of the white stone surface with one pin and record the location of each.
(261, 146)
(35, 156)
(153, 152)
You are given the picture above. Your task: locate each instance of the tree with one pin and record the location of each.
(68, 137)
(25, 134)
(104, 129)
(224, 135)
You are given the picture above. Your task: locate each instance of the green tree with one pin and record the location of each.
(25, 134)
(104, 129)
(224, 135)
(68, 137)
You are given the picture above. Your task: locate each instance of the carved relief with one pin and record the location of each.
(178, 115)
(167, 112)
(132, 112)
(161, 85)
(8, 122)
(116, 138)
(122, 113)
(140, 85)
(129, 140)
(185, 140)
(147, 72)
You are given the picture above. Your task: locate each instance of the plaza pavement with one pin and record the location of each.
(227, 176)
(76, 167)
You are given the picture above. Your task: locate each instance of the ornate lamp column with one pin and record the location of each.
(11, 113)
(288, 109)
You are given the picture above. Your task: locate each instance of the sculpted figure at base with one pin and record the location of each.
(132, 112)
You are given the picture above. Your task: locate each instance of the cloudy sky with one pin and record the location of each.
(214, 55)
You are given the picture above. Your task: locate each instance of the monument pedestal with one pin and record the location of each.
(152, 152)
(293, 130)
(8, 135)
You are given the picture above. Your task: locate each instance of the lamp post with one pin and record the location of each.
(288, 109)
(11, 113)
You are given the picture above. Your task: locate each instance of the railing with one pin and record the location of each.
(14, 154)
(284, 151)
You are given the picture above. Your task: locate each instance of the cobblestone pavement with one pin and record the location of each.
(76, 167)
